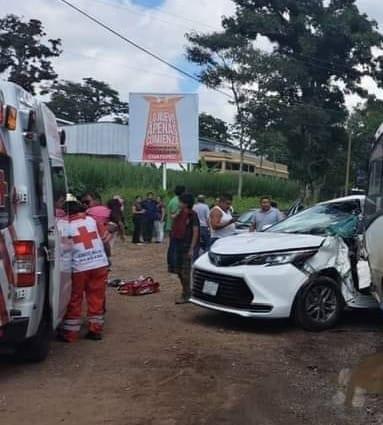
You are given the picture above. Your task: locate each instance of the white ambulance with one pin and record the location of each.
(35, 255)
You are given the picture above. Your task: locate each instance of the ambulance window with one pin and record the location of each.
(5, 191)
(59, 189)
(39, 201)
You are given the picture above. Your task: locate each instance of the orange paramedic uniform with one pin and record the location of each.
(89, 276)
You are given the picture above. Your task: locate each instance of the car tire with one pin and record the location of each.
(319, 304)
(36, 348)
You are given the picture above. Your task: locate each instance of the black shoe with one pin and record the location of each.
(93, 336)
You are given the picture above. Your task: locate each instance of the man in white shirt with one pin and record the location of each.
(203, 212)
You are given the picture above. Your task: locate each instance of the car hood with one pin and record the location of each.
(264, 242)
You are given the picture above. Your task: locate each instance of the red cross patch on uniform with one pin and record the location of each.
(88, 249)
(85, 237)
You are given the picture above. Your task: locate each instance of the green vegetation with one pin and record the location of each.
(111, 176)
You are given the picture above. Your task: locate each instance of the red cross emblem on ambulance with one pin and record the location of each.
(85, 237)
(3, 189)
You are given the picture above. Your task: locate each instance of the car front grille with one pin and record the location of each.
(225, 260)
(232, 292)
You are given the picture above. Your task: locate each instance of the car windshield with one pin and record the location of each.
(246, 217)
(322, 219)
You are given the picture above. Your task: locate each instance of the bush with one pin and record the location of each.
(102, 174)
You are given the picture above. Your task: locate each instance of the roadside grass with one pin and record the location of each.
(110, 177)
(102, 174)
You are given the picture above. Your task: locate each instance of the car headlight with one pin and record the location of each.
(298, 258)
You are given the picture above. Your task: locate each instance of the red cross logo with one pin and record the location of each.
(85, 237)
(3, 189)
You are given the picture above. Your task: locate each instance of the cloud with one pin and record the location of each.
(91, 51)
(159, 25)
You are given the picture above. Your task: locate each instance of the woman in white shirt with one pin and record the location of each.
(221, 219)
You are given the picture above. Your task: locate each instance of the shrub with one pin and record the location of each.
(101, 174)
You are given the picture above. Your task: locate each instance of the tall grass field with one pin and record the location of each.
(110, 176)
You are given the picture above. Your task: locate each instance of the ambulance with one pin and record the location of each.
(35, 254)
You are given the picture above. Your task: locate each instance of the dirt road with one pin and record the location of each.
(162, 364)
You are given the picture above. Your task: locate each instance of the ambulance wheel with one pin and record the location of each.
(36, 348)
(319, 304)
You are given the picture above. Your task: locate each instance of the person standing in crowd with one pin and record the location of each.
(173, 207)
(95, 209)
(221, 219)
(100, 213)
(138, 217)
(184, 238)
(203, 213)
(89, 273)
(116, 224)
(150, 207)
(266, 215)
(159, 222)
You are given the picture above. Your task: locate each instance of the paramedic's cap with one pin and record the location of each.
(201, 198)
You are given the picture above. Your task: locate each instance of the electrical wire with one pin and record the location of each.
(143, 49)
(156, 10)
(91, 58)
(175, 67)
(310, 60)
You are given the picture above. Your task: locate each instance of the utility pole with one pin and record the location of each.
(348, 164)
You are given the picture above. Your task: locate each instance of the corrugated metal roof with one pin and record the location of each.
(103, 138)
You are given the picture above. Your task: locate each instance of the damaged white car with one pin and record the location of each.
(309, 266)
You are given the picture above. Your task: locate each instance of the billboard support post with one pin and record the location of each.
(164, 177)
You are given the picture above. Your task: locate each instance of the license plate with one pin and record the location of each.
(210, 288)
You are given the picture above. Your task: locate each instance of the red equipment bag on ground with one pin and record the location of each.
(141, 286)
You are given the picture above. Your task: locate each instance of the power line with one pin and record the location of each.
(157, 11)
(175, 67)
(143, 49)
(331, 66)
(91, 58)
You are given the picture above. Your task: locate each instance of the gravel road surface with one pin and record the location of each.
(162, 364)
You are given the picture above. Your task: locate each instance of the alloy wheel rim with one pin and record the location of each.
(321, 303)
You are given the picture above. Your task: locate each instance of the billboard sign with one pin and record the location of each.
(163, 128)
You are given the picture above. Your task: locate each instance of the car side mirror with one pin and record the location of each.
(266, 226)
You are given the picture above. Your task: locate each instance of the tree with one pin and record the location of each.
(213, 128)
(24, 58)
(323, 49)
(86, 102)
(364, 122)
(231, 61)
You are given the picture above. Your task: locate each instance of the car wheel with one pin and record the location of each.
(319, 304)
(36, 348)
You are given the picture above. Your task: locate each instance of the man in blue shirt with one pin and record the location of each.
(266, 215)
(149, 205)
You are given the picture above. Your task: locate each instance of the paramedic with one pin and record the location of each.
(89, 273)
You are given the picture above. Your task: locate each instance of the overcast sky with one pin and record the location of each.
(159, 25)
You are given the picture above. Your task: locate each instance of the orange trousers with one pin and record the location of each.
(93, 284)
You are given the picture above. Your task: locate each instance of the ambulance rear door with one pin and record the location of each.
(6, 218)
(59, 244)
